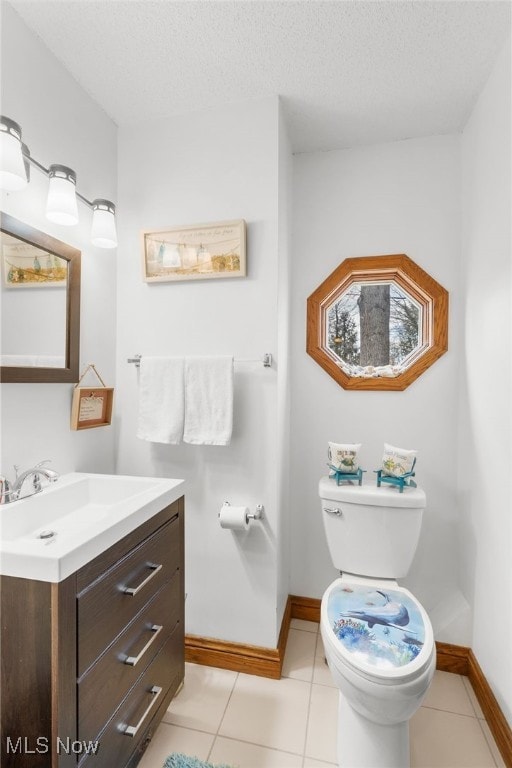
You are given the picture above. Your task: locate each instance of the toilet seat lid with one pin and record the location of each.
(382, 632)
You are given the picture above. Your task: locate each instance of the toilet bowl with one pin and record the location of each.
(378, 639)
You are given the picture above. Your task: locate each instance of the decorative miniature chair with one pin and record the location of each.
(341, 476)
(401, 481)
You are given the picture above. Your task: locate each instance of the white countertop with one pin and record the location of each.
(87, 514)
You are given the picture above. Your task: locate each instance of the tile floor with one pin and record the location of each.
(253, 722)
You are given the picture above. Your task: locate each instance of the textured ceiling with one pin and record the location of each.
(349, 72)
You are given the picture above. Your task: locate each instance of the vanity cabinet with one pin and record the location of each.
(90, 664)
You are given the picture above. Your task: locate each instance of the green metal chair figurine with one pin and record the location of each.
(341, 476)
(400, 482)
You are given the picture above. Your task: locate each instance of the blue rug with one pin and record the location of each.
(177, 760)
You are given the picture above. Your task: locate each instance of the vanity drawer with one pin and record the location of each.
(139, 707)
(111, 602)
(108, 681)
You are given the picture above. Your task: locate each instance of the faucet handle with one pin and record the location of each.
(50, 474)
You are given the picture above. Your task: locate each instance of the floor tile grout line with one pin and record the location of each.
(241, 740)
(187, 728)
(467, 687)
(487, 741)
(449, 711)
(462, 677)
(301, 629)
(312, 665)
(309, 705)
(215, 735)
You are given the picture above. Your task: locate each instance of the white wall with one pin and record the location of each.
(221, 164)
(60, 124)
(486, 427)
(283, 361)
(394, 198)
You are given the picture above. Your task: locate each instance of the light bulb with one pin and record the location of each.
(61, 204)
(13, 175)
(103, 231)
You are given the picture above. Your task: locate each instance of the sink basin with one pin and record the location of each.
(51, 534)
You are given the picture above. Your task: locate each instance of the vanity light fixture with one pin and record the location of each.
(103, 232)
(13, 175)
(61, 206)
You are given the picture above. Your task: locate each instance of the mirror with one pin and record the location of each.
(377, 322)
(40, 305)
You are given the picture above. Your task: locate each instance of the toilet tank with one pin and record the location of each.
(371, 531)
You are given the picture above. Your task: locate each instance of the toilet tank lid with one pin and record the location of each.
(385, 496)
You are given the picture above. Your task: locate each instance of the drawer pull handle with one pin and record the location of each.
(134, 590)
(133, 660)
(131, 730)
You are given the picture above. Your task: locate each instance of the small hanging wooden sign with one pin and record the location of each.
(92, 406)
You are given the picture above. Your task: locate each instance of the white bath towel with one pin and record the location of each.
(161, 399)
(208, 400)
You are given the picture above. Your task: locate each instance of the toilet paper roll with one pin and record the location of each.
(234, 518)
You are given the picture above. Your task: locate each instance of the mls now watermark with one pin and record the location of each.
(22, 745)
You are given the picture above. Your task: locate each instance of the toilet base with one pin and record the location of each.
(365, 744)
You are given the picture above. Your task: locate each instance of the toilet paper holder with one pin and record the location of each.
(258, 515)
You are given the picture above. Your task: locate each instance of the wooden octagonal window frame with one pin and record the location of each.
(408, 276)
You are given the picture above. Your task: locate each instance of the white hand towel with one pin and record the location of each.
(208, 400)
(161, 399)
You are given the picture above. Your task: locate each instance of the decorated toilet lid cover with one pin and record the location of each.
(382, 628)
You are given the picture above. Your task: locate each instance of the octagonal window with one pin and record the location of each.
(374, 328)
(377, 322)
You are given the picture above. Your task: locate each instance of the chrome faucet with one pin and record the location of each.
(13, 492)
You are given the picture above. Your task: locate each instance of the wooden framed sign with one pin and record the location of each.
(91, 406)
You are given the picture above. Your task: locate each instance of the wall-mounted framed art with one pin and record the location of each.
(195, 252)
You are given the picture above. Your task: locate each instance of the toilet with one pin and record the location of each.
(378, 640)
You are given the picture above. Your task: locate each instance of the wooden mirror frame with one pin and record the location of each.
(403, 271)
(69, 373)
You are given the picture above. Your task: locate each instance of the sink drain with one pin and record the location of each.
(46, 534)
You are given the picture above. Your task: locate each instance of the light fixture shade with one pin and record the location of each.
(103, 232)
(13, 176)
(61, 204)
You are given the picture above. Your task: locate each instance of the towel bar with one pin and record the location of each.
(267, 360)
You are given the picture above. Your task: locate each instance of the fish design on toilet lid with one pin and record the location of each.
(380, 627)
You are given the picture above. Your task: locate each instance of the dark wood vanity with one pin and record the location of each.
(96, 657)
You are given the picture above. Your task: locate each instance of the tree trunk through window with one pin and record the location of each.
(374, 311)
